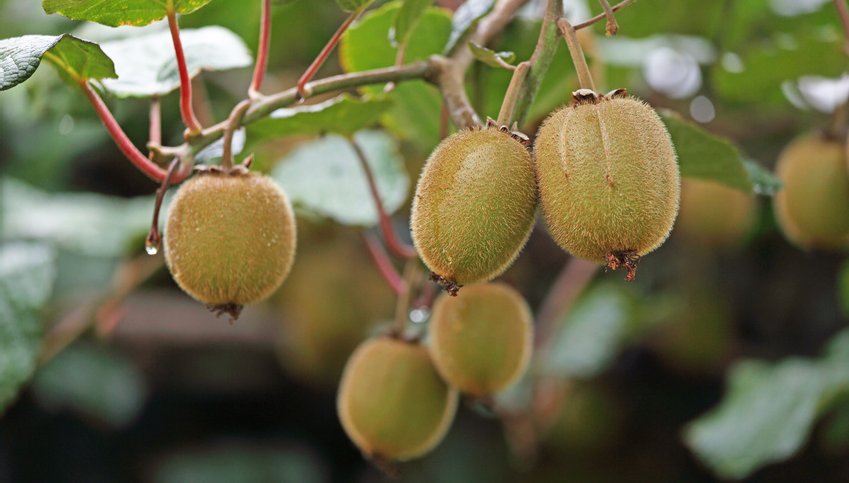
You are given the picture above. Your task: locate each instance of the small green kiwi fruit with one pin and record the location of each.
(812, 208)
(481, 340)
(714, 215)
(474, 206)
(230, 239)
(608, 178)
(392, 402)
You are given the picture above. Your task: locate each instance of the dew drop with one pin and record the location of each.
(151, 248)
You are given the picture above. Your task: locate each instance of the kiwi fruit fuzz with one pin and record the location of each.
(481, 340)
(608, 178)
(392, 402)
(474, 206)
(714, 215)
(230, 239)
(812, 207)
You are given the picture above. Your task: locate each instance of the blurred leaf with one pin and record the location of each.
(93, 224)
(705, 156)
(27, 271)
(146, 65)
(351, 5)
(78, 59)
(119, 12)
(324, 178)
(768, 410)
(465, 19)
(764, 182)
(216, 149)
(501, 60)
(406, 19)
(591, 334)
(242, 463)
(343, 115)
(416, 105)
(843, 288)
(94, 381)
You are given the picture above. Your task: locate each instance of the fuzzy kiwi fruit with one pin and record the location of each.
(230, 238)
(474, 206)
(608, 178)
(481, 340)
(714, 215)
(392, 402)
(812, 208)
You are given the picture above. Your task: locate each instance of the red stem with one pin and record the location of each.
(325, 52)
(384, 265)
(155, 122)
(186, 109)
(396, 246)
(262, 49)
(148, 167)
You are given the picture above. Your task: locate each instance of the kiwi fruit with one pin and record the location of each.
(392, 402)
(229, 239)
(608, 178)
(481, 341)
(714, 215)
(474, 206)
(812, 208)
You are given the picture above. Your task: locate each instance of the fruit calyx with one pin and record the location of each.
(589, 96)
(240, 169)
(512, 131)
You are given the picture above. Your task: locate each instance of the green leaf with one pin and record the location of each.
(705, 156)
(27, 271)
(764, 182)
(146, 65)
(492, 58)
(92, 224)
(78, 59)
(351, 5)
(93, 381)
(592, 333)
(465, 19)
(406, 19)
(120, 12)
(324, 178)
(415, 113)
(343, 115)
(765, 417)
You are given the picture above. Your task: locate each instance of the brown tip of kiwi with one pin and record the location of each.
(448, 284)
(627, 259)
(231, 309)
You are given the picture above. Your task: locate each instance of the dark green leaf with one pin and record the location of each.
(343, 115)
(146, 65)
(27, 272)
(492, 58)
(94, 381)
(324, 178)
(703, 155)
(351, 5)
(78, 59)
(119, 12)
(764, 182)
(406, 19)
(415, 113)
(465, 19)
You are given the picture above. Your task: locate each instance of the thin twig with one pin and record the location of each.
(155, 137)
(602, 16)
(585, 79)
(612, 27)
(262, 50)
(186, 108)
(302, 86)
(233, 123)
(571, 281)
(517, 83)
(153, 240)
(384, 265)
(396, 246)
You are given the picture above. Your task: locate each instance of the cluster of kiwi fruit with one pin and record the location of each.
(398, 396)
(603, 168)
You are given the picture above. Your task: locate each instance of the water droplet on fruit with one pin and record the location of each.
(151, 248)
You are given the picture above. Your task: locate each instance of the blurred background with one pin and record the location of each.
(137, 382)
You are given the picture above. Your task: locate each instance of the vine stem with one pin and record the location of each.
(262, 50)
(396, 246)
(585, 79)
(602, 16)
(302, 86)
(155, 136)
(154, 240)
(612, 27)
(139, 160)
(384, 265)
(233, 122)
(186, 108)
(843, 12)
(402, 306)
(514, 90)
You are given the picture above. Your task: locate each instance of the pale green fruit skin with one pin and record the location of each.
(812, 208)
(230, 239)
(482, 339)
(474, 206)
(714, 215)
(351, 5)
(392, 402)
(608, 178)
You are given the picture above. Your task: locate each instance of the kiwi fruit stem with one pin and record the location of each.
(585, 79)
(513, 91)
